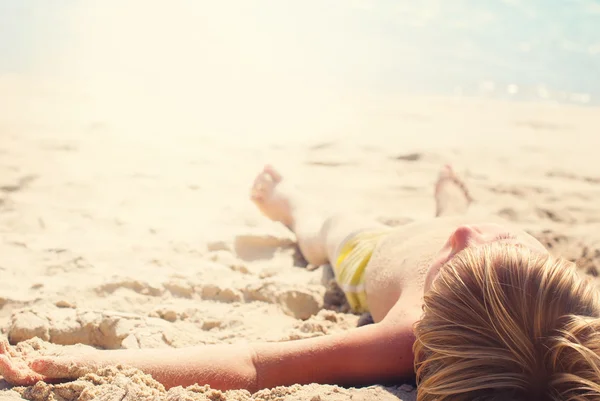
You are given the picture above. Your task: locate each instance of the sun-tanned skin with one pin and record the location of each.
(401, 269)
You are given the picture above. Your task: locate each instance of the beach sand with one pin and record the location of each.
(120, 238)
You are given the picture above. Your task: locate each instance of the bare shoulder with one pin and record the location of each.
(422, 237)
(401, 260)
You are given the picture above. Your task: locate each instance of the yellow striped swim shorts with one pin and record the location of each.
(349, 269)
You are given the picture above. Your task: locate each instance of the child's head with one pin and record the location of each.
(502, 322)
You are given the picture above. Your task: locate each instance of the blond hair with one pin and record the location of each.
(504, 323)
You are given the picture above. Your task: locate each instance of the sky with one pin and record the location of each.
(260, 60)
(270, 60)
(367, 42)
(29, 26)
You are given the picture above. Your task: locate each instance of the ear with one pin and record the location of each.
(462, 237)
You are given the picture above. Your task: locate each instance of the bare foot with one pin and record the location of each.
(274, 196)
(280, 201)
(451, 193)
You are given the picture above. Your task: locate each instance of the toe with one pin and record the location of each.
(263, 184)
(274, 174)
(446, 171)
(257, 193)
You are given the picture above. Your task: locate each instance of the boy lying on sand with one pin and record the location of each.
(477, 309)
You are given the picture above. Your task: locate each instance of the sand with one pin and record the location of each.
(114, 237)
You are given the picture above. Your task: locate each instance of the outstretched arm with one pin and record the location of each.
(370, 354)
(375, 353)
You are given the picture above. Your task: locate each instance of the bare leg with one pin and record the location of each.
(451, 194)
(319, 234)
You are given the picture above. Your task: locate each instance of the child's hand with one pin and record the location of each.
(23, 366)
(15, 366)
